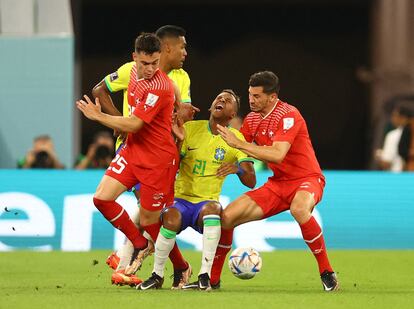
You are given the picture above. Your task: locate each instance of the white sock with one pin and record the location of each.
(211, 237)
(163, 246)
(126, 250)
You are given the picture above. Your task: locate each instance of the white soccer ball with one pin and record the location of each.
(244, 263)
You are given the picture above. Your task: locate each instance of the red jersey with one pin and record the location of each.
(284, 124)
(152, 100)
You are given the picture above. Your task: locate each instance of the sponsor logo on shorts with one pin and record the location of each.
(158, 196)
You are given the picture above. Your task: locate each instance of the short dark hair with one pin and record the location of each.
(170, 31)
(236, 97)
(147, 43)
(266, 79)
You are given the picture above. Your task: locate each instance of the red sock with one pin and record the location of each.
(175, 255)
(177, 258)
(152, 229)
(119, 218)
(312, 235)
(223, 248)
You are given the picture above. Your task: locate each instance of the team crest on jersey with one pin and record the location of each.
(113, 76)
(151, 100)
(219, 154)
(288, 123)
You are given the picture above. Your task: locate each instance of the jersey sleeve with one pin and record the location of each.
(288, 128)
(245, 131)
(120, 78)
(152, 103)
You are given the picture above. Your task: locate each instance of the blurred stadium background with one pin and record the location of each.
(339, 62)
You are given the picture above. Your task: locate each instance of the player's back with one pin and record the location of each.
(284, 123)
(202, 154)
(152, 100)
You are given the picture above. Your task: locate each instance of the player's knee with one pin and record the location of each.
(227, 222)
(299, 212)
(171, 219)
(211, 208)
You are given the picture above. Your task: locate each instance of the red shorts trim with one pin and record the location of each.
(157, 185)
(276, 196)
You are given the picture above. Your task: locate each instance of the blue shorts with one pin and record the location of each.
(138, 185)
(189, 213)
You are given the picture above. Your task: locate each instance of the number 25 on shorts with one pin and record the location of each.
(121, 162)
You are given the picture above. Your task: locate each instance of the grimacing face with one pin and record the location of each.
(258, 100)
(147, 64)
(224, 104)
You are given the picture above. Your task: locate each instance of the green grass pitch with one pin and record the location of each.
(289, 279)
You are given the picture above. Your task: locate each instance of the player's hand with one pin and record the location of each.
(88, 108)
(227, 169)
(187, 111)
(229, 137)
(178, 128)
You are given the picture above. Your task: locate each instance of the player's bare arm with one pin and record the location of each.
(102, 92)
(94, 112)
(245, 172)
(275, 153)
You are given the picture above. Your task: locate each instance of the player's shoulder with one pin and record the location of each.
(286, 108)
(196, 125)
(178, 72)
(127, 67)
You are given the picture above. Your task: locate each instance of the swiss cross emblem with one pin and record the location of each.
(271, 134)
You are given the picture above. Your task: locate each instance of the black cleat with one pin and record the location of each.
(202, 284)
(329, 281)
(153, 282)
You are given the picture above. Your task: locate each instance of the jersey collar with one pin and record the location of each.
(277, 101)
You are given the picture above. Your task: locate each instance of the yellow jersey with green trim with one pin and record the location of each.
(119, 80)
(202, 153)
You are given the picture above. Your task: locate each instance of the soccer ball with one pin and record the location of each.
(244, 263)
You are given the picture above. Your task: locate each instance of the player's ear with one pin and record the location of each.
(134, 56)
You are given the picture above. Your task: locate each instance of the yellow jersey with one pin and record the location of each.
(202, 153)
(119, 80)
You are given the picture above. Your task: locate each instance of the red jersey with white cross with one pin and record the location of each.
(152, 100)
(284, 124)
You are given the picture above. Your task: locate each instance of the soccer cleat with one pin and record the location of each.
(138, 257)
(113, 260)
(202, 284)
(329, 281)
(215, 286)
(181, 277)
(153, 282)
(119, 278)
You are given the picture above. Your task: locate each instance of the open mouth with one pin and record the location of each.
(219, 107)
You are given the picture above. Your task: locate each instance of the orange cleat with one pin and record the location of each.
(113, 260)
(119, 278)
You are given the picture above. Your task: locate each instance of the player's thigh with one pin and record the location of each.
(109, 189)
(243, 209)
